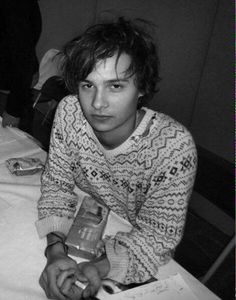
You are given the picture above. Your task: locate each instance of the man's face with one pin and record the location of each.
(108, 97)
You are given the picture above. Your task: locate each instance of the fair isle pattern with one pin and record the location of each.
(147, 180)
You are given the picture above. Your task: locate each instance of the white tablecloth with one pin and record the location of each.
(21, 251)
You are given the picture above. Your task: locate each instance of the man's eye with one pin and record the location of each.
(116, 86)
(86, 85)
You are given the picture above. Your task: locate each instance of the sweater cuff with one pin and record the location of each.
(53, 223)
(117, 256)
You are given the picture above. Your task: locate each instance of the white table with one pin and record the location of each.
(21, 251)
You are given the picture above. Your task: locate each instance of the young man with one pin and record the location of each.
(139, 162)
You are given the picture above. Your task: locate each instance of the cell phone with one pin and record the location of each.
(87, 228)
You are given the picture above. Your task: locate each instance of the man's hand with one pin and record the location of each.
(9, 120)
(87, 273)
(66, 282)
(69, 281)
(56, 264)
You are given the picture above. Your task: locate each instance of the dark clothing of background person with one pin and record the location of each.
(20, 29)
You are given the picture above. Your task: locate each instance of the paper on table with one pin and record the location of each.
(115, 223)
(173, 287)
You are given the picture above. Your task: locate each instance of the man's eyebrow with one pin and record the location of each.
(115, 80)
(118, 80)
(85, 80)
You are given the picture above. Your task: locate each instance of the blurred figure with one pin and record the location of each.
(20, 28)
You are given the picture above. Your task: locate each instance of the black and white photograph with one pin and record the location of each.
(117, 150)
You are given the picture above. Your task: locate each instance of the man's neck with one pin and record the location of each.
(112, 139)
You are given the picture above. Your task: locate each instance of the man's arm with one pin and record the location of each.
(57, 204)
(55, 240)
(57, 262)
(160, 221)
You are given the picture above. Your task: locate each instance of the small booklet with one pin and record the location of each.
(87, 229)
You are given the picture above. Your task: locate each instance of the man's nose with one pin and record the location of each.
(100, 99)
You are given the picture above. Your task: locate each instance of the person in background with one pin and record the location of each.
(20, 28)
(139, 162)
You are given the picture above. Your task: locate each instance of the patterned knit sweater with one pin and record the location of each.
(147, 180)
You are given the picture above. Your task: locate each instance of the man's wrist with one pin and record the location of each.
(55, 236)
(103, 265)
(55, 244)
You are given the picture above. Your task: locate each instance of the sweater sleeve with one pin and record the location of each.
(57, 204)
(136, 256)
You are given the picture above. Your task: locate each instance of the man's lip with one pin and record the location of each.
(101, 116)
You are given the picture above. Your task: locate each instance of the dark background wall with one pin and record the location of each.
(212, 121)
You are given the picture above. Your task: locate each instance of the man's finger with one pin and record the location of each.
(70, 290)
(53, 288)
(66, 286)
(92, 275)
(63, 275)
(44, 286)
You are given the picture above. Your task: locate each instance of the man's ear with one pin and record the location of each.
(140, 98)
(140, 95)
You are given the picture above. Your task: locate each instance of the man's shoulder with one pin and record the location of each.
(69, 110)
(69, 103)
(168, 124)
(70, 117)
(168, 130)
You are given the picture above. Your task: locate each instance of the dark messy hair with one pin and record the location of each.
(104, 40)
